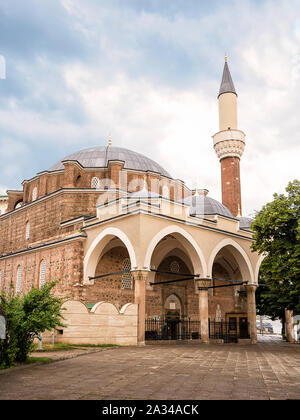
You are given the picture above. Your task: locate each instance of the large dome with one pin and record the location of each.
(98, 157)
(203, 205)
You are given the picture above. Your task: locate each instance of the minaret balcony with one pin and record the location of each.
(229, 143)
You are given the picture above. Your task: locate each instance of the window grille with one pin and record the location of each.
(126, 277)
(19, 279)
(42, 273)
(95, 182)
(34, 194)
(174, 267)
(27, 231)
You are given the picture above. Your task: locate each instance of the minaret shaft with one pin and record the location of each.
(229, 144)
(228, 111)
(231, 185)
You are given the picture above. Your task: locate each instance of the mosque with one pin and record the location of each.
(142, 257)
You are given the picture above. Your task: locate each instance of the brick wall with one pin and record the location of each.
(63, 263)
(231, 184)
(109, 289)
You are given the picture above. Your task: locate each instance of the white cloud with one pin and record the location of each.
(173, 123)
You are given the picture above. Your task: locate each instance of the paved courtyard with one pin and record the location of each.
(268, 370)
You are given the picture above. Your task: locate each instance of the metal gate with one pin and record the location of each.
(223, 331)
(172, 329)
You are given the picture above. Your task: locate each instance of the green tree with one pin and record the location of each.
(26, 317)
(277, 234)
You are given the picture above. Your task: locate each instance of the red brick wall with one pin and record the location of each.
(231, 184)
(63, 263)
(223, 296)
(13, 199)
(109, 289)
(44, 218)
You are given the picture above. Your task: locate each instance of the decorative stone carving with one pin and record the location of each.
(229, 143)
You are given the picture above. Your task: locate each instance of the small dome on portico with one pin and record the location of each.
(204, 205)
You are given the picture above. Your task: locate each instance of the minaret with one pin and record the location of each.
(229, 144)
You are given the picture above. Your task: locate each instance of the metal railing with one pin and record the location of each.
(223, 331)
(172, 329)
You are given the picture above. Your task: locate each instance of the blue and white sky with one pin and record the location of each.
(148, 72)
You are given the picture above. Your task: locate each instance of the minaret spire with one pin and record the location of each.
(227, 85)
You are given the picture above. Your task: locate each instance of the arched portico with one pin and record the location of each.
(186, 241)
(239, 255)
(174, 245)
(233, 258)
(98, 245)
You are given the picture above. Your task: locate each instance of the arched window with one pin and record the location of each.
(34, 194)
(19, 279)
(95, 182)
(27, 231)
(126, 277)
(42, 273)
(166, 191)
(78, 180)
(18, 204)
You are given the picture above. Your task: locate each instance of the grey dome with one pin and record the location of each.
(203, 205)
(245, 222)
(98, 157)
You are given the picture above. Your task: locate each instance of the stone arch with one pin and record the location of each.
(163, 250)
(240, 256)
(173, 298)
(92, 256)
(258, 264)
(191, 247)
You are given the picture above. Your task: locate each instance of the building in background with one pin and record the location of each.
(111, 225)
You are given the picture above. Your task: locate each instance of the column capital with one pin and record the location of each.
(140, 274)
(251, 287)
(203, 283)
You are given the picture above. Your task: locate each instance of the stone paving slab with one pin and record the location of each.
(268, 370)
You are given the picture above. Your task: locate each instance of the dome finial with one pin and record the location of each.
(109, 140)
(226, 57)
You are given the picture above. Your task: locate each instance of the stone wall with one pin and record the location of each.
(62, 263)
(44, 218)
(109, 289)
(104, 324)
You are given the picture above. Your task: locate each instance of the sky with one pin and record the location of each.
(148, 72)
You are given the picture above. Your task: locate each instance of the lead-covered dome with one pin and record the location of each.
(203, 205)
(98, 157)
(245, 222)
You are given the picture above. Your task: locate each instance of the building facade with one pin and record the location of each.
(112, 225)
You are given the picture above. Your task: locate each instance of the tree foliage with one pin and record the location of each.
(26, 317)
(277, 235)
